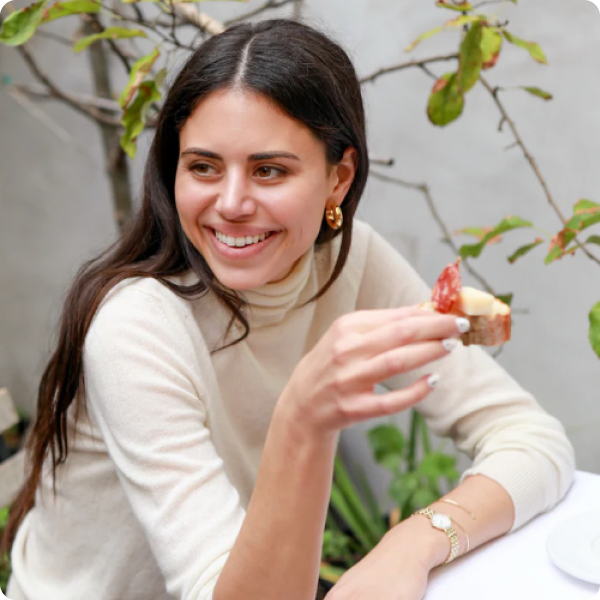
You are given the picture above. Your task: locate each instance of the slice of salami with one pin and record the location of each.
(447, 289)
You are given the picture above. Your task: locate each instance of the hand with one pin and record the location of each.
(332, 386)
(393, 570)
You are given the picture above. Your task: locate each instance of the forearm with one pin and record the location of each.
(482, 496)
(278, 550)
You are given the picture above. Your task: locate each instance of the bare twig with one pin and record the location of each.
(385, 162)
(53, 36)
(423, 188)
(486, 2)
(270, 4)
(97, 27)
(43, 92)
(533, 163)
(407, 65)
(88, 111)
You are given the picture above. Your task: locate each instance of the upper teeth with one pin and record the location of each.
(241, 241)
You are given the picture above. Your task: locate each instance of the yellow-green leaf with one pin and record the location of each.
(534, 49)
(461, 6)
(70, 7)
(134, 117)
(330, 573)
(20, 25)
(491, 44)
(538, 92)
(511, 222)
(593, 239)
(446, 101)
(470, 58)
(595, 328)
(139, 71)
(524, 250)
(458, 22)
(506, 298)
(585, 214)
(110, 33)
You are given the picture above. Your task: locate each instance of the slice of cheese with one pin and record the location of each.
(475, 303)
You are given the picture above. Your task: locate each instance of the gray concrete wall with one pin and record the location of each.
(55, 207)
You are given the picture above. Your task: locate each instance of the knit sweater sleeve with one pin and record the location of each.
(487, 414)
(145, 391)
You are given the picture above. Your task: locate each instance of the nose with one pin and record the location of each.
(233, 201)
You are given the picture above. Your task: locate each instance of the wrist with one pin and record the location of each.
(428, 545)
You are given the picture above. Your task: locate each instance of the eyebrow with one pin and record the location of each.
(251, 157)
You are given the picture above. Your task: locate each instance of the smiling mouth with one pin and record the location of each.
(230, 241)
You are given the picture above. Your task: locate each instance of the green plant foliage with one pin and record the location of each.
(506, 298)
(594, 334)
(511, 222)
(457, 22)
(139, 71)
(470, 58)
(523, 250)
(536, 91)
(20, 26)
(446, 101)
(461, 6)
(491, 45)
(534, 49)
(70, 7)
(110, 33)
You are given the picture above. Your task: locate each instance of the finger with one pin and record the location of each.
(413, 329)
(399, 360)
(369, 319)
(377, 405)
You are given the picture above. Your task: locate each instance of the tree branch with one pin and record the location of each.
(88, 111)
(270, 4)
(423, 188)
(411, 63)
(532, 162)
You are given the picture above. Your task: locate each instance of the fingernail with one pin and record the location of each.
(463, 325)
(450, 344)
(433, 380)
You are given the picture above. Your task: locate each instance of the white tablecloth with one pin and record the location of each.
(517, 566)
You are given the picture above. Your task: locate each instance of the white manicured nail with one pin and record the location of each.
(433, 380)
(450, 344)
(463, 325)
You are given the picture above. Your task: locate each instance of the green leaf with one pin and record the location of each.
(511, 222)
(330, 573)
(538, 92)
(585, 214)
(403, 487)
(375, 511)
(595, 328)
(534, 49)
(134, 117)
(70, 7)
(110, 33)
(387, 443)
(335, 543)
(446, 101)
(461, 6)
(458, 22)
(491, 44)
(593, 239)
(506, 298)
(470, 58)
(523, 250)
(436, 464)
(139, 71)
(20, 25)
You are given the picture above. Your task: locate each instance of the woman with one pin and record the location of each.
(218, 349)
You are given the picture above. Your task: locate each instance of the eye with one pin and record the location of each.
(266, 169)
(201, 168)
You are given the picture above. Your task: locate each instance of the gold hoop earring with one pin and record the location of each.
(334, 218)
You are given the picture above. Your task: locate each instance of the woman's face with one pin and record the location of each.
(246, 169)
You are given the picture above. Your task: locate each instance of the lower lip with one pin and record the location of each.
(240, 253)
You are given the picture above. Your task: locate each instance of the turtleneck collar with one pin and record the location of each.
(268, 304)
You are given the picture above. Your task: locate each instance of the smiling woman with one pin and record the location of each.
(188, 420)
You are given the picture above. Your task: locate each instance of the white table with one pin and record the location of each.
(517, 566)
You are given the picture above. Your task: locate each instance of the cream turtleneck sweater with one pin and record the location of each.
(164, 460)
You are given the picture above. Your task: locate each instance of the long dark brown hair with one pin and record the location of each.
(313, 80)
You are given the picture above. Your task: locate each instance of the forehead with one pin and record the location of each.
(243, 121)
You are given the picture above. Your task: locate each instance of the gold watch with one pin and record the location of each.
(443, 523)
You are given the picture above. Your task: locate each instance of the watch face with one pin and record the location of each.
(441, 521)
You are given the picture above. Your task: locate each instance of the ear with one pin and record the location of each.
(342, 176)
